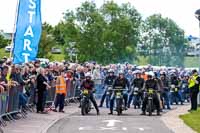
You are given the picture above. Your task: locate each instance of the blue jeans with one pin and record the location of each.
(166, 97)
(105, 96)
(22, 100)
(176, 97)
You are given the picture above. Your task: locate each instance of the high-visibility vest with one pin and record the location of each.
(144, 76)
(61, 86)
(192, 82)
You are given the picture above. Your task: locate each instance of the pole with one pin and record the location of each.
(199, 63)
(14, 28)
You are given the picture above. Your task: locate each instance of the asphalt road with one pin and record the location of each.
(129, 122)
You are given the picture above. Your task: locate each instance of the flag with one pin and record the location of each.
(28, 31)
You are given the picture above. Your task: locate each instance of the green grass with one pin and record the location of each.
(193, 120)
(57, 57)
(3, 53)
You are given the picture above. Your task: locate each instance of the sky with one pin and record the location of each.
(181, 11)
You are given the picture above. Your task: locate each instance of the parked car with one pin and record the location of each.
(43, 60)
(56, 51)
(8, 48)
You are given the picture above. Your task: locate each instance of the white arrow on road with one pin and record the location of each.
(111, 123)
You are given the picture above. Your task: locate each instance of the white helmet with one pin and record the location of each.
(88, 74)
(121, 72)
(138, 72)
(151, 74)
(110, 71)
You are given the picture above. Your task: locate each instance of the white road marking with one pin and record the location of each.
(18, 131)
(124, 128)
(29, 126)
(85, 128)
(111, 123)
(141, 129)
(108, 128)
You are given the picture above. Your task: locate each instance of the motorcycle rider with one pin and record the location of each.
(151, 83)
(165, 94)
(109, 80)
(89, 85)
(138, 82)
(120, 81)
(175, 96)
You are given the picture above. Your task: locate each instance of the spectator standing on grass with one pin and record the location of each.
(194, 82)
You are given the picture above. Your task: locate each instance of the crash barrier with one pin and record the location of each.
(10, 105)
(15, 101)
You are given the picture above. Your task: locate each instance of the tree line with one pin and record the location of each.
(115, 33)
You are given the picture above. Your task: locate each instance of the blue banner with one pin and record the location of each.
(28, 31)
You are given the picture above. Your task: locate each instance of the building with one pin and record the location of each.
(6, 35)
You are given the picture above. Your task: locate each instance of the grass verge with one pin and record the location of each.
(192, 120)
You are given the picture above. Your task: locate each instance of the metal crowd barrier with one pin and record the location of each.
(99, 87)
(10, 105)
(72, 88)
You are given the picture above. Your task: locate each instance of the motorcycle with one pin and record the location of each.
(136, 100)
(108, 94)
(85, 102)
(150, 105)
(174, 94)
(118, 92)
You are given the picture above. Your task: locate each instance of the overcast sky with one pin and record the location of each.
(181, 11)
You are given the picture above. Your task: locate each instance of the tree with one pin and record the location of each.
(108, 34)
(163, 41)
(3, 42)
(46, 42)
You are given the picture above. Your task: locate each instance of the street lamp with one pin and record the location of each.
(197, 15)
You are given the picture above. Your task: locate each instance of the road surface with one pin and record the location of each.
(129, 122)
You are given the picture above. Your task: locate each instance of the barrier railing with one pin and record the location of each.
(99, 87)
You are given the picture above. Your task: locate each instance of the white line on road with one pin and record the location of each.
(30, 126)
(17, 131)
(111, 123)
(124, 128)
(141, 129)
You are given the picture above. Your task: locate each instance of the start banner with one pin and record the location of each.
(28, 31)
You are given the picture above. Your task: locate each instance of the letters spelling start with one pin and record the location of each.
(29, 30)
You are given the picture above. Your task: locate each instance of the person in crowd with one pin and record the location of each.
(2, 83)
(185, 89)
(88, 84)
(42, 87)
(120, 81)
(109, 80)
(97, 80)
(165, 93)
(144, 75)
(151, 83)
(138, 83)
(61, 91)
(129, 76)
(194, 82)
(160, 88)
(175, 86)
